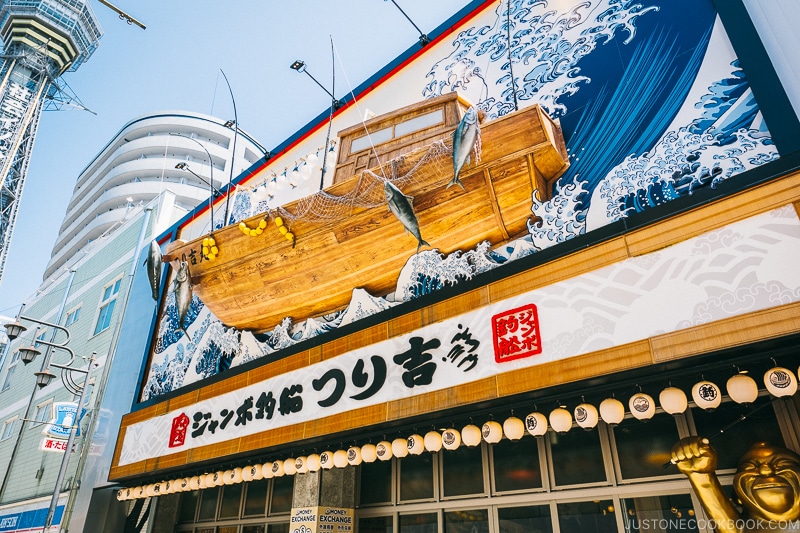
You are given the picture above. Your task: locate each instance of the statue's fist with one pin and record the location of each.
(694, 454)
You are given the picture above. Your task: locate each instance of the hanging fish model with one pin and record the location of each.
(153, 263)
(464, 139)
(183, 294)
(401, 206)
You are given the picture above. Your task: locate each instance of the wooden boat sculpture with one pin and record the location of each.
(345, 237)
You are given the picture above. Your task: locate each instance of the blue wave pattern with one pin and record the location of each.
(619, 75)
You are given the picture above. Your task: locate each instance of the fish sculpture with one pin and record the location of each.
(183, 294)
(401, 206)
(153, 263)
(464, 138)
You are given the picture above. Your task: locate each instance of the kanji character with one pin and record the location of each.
(360, 378)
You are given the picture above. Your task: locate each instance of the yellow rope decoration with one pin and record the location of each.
(210, 249)
(284, 230)
(258, 230)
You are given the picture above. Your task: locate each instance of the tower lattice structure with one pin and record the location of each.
(42, 39)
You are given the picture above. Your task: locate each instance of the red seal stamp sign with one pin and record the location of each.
(516, 334)
(177, 435)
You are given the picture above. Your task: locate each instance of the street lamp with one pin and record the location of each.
(214, 192)
(43, 378)
(300, 66)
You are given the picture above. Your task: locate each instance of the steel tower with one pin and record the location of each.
(42, 39)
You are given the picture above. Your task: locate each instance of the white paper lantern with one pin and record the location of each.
(416, 444)
(278, 468)
(300, 465)
(742, 389)
(586, 415)
(536, 424)
(194, 483)
(513, 428)
(340, 459)
(266, 470)
(612, 411)
(706, 395)
(150, 490)
(384, 450)
(121, 495)
(400, 447)
(168, 486)
(492, 432)
(642, 406)
(140, 492)
(209, 480)
(247, 473)
(354, 455)
(289, 466)
(326, 460)
(471, 435)
(312, 462)
(369, 453)
(227, 478)
(780, 382)
(219, 478)
(433, 441)
(560, 420)
(157, 489)
(451, 439)
(185, 482)
(673, 400)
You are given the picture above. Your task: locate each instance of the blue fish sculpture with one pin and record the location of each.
(464, 139)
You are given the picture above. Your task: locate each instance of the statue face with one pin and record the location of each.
(768, 482)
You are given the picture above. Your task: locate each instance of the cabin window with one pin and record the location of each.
(419, 123)
(376, 137)
(107, 306)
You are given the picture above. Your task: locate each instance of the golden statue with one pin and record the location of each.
(767, 483)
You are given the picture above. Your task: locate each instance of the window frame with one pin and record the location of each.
(8, 427)
(107, 305)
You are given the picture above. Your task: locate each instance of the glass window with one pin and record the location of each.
(188, 506)
(282, 489)
(462, 471)
(644, 447)
(374, 138)
(418, 123)
(418, 523)
(416, 477)
(231, 495)
(255, 504)
(208, 504)
(587, 517)
(467, 521)
(757, 425)
(107, 307)
(375, 524)
(667, 514)
(577, 457)
(531, 519)
(516, 465)
(44, 412)
(9, 374)
(8, 428)
(376, 482)
(229, 529)
(73, 316)
(252, 529)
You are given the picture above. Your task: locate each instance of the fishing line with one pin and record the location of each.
(330, 118)
(510, 59)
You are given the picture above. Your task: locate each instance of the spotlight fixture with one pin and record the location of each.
(300, 66)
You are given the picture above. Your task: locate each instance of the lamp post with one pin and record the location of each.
(43, 378)
(213, 191)
(300, 66)
(233, 152)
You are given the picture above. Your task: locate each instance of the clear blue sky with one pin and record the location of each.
(174, 65)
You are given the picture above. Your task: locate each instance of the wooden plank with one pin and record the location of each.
(468, 393)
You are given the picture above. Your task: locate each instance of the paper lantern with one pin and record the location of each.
(185, 484)
(150, 490)
(492, 432)
(642, 406)
(706, 395)
(742, 389)
(673, 400)
(208, 481)
(369, 453)
(536, 424)
(471, 435)
(290, 466)
(433, 441)
(247, 473)
(513, 428)
(312, 462)
(354, 455)
(340, 459)
(266, 470)
(400, 447)
(141, 492)
(586, 415)
(326, 460)
(253, 472)
(780, 382)
(384, 450)
(278, 468)
(227, 478)
(451, 439)
(560, 420)
(300, 465)
(219, 478)
(194, 483)
(121, 495)
(416, 444)
(612, 411)
(169, 486)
